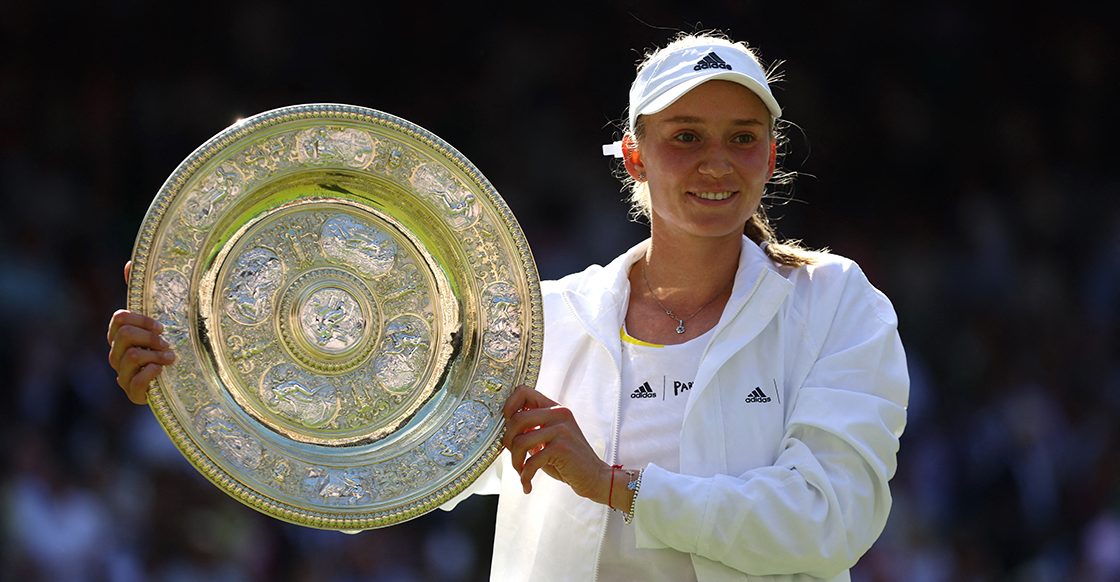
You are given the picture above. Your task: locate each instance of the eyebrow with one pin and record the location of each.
(694, 119)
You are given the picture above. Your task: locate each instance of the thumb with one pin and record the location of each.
(127, 271)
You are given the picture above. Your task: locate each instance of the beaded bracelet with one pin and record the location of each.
(634, 485)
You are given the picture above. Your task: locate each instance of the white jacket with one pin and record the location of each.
(790, 489)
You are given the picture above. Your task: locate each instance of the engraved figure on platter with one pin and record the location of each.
(296, 397)
(332, 319)
(503, 331)
(268, 156)
(256, 275)
(358, 244)
(244, 351)
(297, 238)
(230, 440)
(397, 476)
(488, 388)
(350, 146)
(403, 353)
(203, 202)
(394, 160)
(451, 444)
(280, 471)
(457, 200)
(345, 487)
(171, 305)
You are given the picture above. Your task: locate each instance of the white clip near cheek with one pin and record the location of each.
(613, 149)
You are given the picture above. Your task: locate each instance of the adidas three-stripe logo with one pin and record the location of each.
(643, 391)
(757, 396)
(711, 61)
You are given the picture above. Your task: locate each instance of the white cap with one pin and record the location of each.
(680, 67)
(674, 71)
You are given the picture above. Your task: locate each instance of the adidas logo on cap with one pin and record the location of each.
(711, 61)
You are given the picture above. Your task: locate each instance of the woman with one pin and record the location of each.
(737, 402)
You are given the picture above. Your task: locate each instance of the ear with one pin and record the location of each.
(773, 158)
(632, 159)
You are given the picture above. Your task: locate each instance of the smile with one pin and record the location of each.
(712, 195)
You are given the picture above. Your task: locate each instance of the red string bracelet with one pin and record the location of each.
(610, 492)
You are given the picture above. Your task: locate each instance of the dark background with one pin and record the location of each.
(961, 152)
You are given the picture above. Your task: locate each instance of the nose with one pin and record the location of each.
(715, 163)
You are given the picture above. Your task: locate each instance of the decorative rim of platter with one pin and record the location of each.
(350, 301)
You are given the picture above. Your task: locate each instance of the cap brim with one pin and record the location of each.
(669, 97)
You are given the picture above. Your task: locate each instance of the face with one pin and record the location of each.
(706, 158)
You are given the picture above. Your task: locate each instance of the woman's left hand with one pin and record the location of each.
(542, 435)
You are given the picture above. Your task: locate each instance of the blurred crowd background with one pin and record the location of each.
(960, 151)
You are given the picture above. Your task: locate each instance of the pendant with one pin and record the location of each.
(680, 326)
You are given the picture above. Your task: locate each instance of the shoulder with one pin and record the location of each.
(554, 292)
(833, 283)
(574, 282)
(581, 295)
(596, 278)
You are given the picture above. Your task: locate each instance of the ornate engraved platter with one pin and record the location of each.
(351, 303)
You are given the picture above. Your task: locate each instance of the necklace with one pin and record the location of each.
(669, 312)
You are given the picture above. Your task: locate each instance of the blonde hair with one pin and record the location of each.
(758, 228)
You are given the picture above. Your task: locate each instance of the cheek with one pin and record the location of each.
(758, 163)
(665, 166)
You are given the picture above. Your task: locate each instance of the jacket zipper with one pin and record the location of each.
(613, 452)
(613, 458)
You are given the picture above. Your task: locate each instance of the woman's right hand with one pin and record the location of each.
(136, 350)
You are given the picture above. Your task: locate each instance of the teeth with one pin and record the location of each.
(713, 195)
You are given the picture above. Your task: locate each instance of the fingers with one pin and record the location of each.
(543, 435)
(135, 358)
(137, 387)
(124, 317)
(129, 336)
(127, 271)
(530, 419)
(528, 431)
(552, 450)
(524, 397)
(137, 352)
(138, 367)
(529, 441)
(538, 437)
(535, 463)
(537, 449)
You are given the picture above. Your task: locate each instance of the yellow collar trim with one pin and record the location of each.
(633, 340)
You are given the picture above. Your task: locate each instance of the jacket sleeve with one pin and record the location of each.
(825, 499)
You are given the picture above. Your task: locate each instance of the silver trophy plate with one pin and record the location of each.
(351, 303)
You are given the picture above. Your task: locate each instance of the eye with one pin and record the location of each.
(743, 138)
(686, 137)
